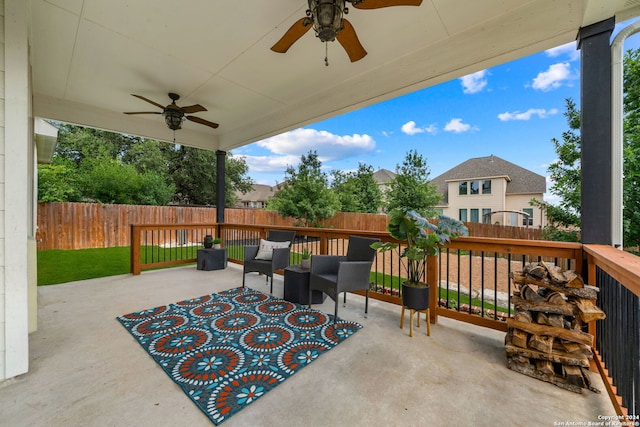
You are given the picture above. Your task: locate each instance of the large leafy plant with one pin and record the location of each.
(422, 239)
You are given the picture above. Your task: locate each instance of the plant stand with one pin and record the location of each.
(411, 313)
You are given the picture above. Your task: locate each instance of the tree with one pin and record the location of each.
(411, 188)
(357, 191)
(305, 194)
(58, 182)
(194, 173)
(565, 173)
(631, 149)
(107, 180)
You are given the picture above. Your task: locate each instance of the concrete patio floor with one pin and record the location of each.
(87, 370)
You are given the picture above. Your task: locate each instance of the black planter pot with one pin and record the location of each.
(415, 298)
(208, 241)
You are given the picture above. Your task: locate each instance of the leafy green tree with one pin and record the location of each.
(305, 194)
(631, 149)
(194, 173)
(357, 191)
(411, 188)
(58, 182)
(107, 180)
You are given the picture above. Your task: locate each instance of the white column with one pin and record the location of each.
(14, 191)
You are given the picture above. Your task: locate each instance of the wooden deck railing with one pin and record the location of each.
(472, 278)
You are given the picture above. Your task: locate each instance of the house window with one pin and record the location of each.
(525, 219)
(463, 215)
(474, 215)
(462, 188)
(486, 186)
(475, 187)
(486, 219)
(439, 211)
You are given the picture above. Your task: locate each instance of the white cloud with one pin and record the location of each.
(553, 78)
(517, 115)
(271, 163)
(474, 83)
(569, 49)
(328, 145)
(455, 125)
(410, 128)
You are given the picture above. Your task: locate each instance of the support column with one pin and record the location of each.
(595, 130)
(221, 158)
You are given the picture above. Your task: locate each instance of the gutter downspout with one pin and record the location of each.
(617, 91)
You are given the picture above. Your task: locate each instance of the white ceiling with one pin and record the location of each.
(88, 56)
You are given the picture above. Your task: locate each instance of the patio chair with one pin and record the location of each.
(269, 256)
(334, 274)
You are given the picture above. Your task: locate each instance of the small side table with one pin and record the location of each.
(212, 259)
(296, 286)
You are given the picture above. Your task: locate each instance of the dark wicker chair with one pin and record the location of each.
(279, 261)
(333, 274)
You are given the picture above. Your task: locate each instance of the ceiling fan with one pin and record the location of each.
(175, 115)
(325, 16)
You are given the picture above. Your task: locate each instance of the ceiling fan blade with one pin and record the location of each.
(349, 41)
(377, 4)
(202, 121)
(149, 101)
(144, 112)
(193, 109)
(292, 35)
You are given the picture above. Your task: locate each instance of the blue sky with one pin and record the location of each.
(512, 111)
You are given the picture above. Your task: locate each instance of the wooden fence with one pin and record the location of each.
(92, 225)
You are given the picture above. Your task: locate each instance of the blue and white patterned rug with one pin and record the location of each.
(228, 349)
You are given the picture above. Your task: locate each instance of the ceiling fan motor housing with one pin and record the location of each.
(327, 18)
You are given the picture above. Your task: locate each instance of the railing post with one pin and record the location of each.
(433, 281)
(135, 250)
(323, 244)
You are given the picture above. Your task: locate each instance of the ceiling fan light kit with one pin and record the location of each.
(174, 115)
(326, 18)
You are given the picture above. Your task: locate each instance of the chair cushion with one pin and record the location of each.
(265, 250)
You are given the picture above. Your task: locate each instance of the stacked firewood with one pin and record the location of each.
(545, 337)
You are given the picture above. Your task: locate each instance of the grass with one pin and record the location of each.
(60, 266)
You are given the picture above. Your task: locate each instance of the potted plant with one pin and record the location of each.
(305, 261)
(422, 239)
(217, 242)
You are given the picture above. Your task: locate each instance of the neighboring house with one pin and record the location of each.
(383, 177)
(491, 190)
(257, 197)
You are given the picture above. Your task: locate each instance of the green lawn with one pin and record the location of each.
(60, 266)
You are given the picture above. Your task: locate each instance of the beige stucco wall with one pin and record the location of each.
(498, 200)
(494, 201)
(519, 202)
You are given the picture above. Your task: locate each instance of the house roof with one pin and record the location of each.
(519, 179)
(259, 193)
(383, 176)
(88, 57)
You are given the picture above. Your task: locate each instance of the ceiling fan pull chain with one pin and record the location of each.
(326, 54)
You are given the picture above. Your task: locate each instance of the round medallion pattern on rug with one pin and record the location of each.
(275, 308)
(235, 322)
(306, 319)
(208, 365)
(250, 297)
(145, 314)
(160, 324)
(266, 338)
(235, 393)
(213, 309)
(339, 331)
(232, 292)
(180, 342)
(195, 301)
(300, 355)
